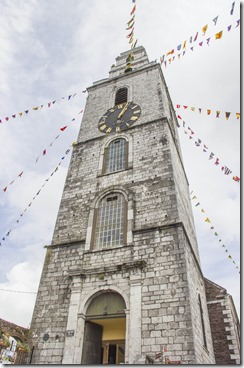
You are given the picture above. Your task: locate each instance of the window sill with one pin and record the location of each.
(107, 249)
(114, 172)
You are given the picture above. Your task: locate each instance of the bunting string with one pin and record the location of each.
(181, 49)
(19, 291)
(130, 36)
(209, 112)
(212, 157)
(44, 153)
(212, 228)
(4, 238)
(204, 29)
(49, 104)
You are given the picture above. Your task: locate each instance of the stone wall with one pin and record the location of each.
(224, 324)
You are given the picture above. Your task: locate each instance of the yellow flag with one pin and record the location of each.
(238, 115)
(204, 29)
(218, 35)
(184, 46)
(207, 220)
(35, 108)
(20, 114)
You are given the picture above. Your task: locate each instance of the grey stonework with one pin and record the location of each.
(158, 272)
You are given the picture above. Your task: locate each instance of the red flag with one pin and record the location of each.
(236, 178)
(6, 118)
(195, 38)
(63, 128)
(133, 10)
(44, 152)
(5, 189)
(179, 117)
(185, 107)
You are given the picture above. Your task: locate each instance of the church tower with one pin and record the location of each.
(122, 281)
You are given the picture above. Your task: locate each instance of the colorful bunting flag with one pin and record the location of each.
(204, 29)
(195, 38)
(227, 114)
(215, 20)
(218, 35)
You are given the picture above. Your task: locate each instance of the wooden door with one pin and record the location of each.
(92, 345)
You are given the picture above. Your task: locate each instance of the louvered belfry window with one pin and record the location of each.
(115, 157)
(110, 222)
(121, 96)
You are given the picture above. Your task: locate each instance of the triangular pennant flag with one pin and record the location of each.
(204, 29)
(218, 35)
(236, 178)
(195, 38)
(44, 152)
(238, 115)
(208, 40)
(208, 112)
(133, 10)
(131, 20)
(35, 108)
(207, 220)
(238, 23)
(20, 114)
(62, 129)
(215, 20)
(179, 47)
(130, 26)
(227, 114)
(229, 28)
(232, 8)
(170, 52)
(200, 43)
(217, 113)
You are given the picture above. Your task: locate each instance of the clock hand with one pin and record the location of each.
(123, 110)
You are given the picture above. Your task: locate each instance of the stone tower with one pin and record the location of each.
(122, 281)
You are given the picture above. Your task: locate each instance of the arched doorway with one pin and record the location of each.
(105, 326)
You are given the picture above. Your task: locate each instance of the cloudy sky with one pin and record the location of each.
(51, 50)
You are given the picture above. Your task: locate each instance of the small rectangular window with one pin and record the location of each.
(121, 96)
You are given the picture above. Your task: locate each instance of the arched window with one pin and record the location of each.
(115, 156)
(121, 96)
(110, 222)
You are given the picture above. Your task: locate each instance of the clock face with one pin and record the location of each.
(119, 117)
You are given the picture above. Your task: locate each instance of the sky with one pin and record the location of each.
(51, 51)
